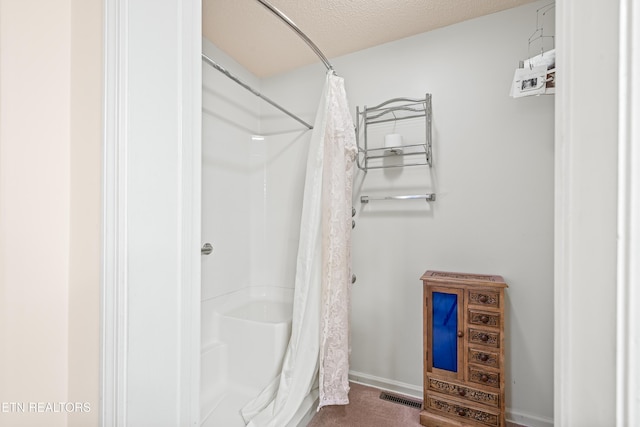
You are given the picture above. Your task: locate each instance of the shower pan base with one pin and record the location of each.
(244, 336)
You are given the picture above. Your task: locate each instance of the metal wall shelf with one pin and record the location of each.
(394, 110)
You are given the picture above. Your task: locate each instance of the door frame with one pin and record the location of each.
(597, 187)
(122, 41)
(628, 251)
(116, 239)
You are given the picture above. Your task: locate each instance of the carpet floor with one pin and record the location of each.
(366, 409)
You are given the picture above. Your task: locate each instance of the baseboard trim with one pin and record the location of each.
(386, 384)
(514, 418)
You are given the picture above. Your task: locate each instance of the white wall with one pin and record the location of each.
(493, 172)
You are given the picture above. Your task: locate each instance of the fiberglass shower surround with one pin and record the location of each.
(318, 350)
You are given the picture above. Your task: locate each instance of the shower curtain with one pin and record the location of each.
(318, 352)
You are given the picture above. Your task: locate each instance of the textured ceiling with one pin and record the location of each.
(264, 45)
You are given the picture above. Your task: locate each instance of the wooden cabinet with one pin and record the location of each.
(463, 325)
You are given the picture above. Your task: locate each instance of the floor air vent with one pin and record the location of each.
(402, 400)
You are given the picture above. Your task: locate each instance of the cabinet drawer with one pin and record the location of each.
(484, 318)
(488, 338)
(479, 376)
(461, 412)
(464, 392)
(482, 357)
(484, 298)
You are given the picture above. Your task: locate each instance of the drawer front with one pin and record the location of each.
(484, 318)
(463, 392)
(479, 376)
(482, 357)
(488, 338)
(461, 412)
(484, 298)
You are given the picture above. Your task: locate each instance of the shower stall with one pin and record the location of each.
(247, 280)
(253, 158)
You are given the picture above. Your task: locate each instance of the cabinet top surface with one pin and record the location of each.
(464, 278)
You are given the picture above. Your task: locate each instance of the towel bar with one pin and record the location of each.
(431, 197)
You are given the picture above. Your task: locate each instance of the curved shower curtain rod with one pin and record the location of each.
(302, 35)
(297, 30)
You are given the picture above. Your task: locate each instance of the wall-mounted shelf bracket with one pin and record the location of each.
(394, 110)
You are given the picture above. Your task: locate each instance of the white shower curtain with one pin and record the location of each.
(320, 326)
